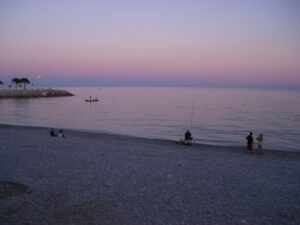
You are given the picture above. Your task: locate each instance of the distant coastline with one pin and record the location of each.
(33, 93)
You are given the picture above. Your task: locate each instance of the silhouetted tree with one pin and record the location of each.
(16, 81)
(1, 83)
(24, 81)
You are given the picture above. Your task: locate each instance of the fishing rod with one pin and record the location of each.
(192, 114)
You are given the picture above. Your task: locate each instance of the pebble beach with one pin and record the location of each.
(89, 178)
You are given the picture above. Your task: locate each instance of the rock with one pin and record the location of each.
(244, 222)
(8, 189)
(285, 214)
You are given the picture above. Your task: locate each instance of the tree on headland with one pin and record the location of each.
(24, 81)
(16, 81)
(1, 83)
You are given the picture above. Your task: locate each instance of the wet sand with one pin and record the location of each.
(109, 179)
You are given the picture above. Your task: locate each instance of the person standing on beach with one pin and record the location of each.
(250, 143)
(260, 141)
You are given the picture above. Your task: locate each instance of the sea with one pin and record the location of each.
(217, 116)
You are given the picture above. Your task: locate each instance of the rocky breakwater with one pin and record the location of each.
(33, 93)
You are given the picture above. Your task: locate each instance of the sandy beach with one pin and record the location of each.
(89, 178)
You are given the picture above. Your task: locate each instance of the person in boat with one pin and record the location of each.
(188, 136)
(91, 100)
(52, 133)
(61, 133)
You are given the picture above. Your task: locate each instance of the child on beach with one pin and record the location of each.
(260, 140)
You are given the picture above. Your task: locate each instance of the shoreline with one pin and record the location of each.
(93, 133)
(91, 178)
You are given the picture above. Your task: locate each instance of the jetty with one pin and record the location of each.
(33, 93)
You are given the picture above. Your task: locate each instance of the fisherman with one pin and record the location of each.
(188, 137)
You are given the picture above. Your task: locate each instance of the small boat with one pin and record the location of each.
(92, 99)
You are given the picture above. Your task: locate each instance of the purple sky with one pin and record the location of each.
(151, 43)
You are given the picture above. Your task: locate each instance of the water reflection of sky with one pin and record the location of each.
(218, 116)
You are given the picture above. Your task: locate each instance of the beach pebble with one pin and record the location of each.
(244, 222)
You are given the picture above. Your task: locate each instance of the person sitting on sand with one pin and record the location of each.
(52, 133)
(188, 136)
(250, 143)
(260, 141)
(61, 133)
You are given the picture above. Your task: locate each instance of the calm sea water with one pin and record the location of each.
(214, 116)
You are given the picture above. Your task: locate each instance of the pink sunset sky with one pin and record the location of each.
(151, 43)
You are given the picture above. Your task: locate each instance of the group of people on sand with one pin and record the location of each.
(188, 140)
(250, 143)
(59, 134)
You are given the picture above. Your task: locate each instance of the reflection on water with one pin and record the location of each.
(216, 116)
